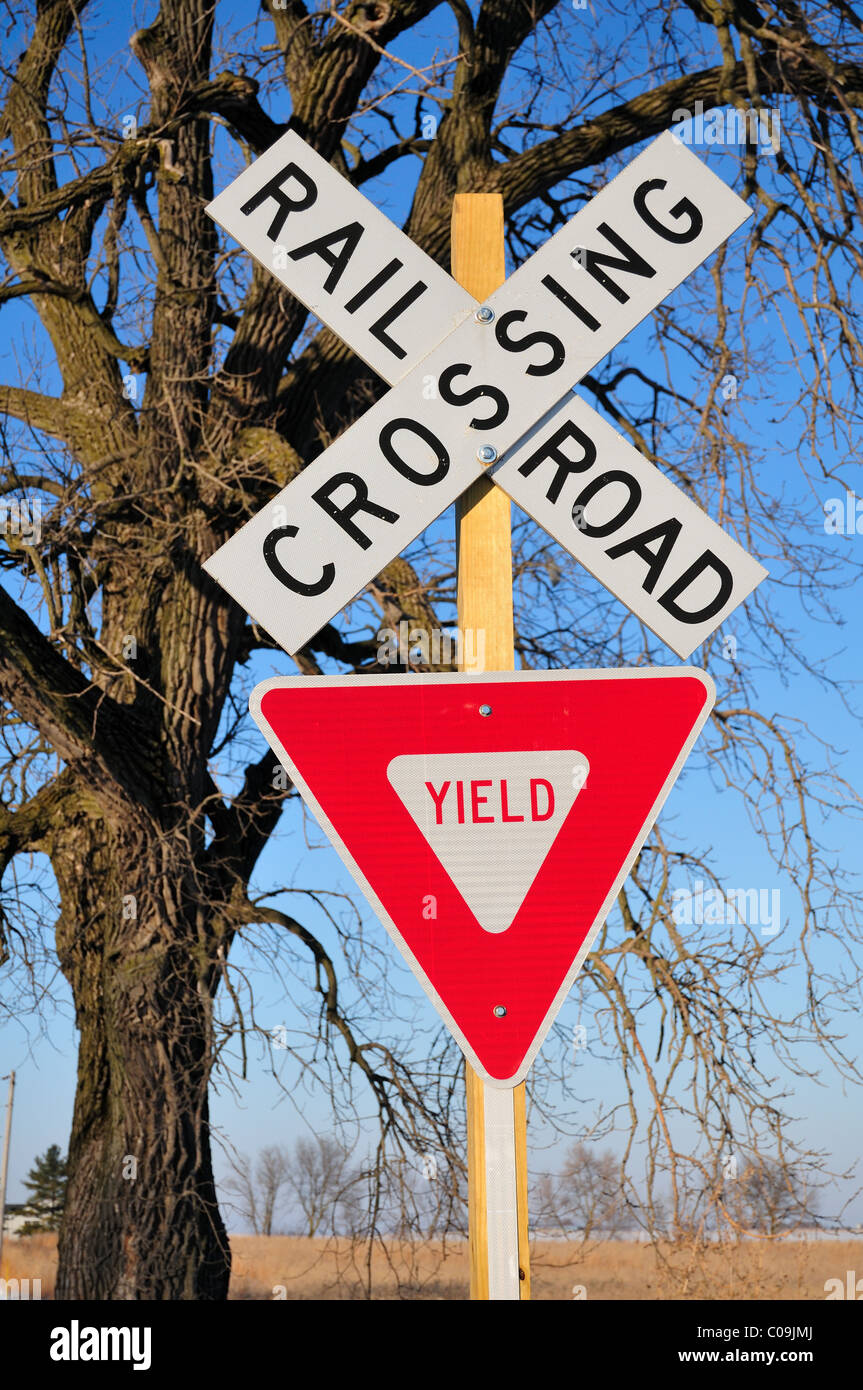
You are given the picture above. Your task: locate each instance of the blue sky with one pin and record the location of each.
(258, 1111)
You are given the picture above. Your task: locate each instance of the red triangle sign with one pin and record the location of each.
(490, 820)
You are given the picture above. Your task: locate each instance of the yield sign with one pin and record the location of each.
(490, 820)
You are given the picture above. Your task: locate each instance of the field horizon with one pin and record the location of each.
(303, 1268)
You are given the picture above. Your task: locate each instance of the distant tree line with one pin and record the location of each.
(317, 1187)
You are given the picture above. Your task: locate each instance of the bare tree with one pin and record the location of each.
(172, 388)
(769, 1197)
(585, 1198)
(255, 1190)
(320, 1176)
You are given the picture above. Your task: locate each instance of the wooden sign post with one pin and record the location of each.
(484, 564)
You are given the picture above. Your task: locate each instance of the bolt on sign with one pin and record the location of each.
(477, 386)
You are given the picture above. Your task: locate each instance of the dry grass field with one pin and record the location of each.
(268, 1267)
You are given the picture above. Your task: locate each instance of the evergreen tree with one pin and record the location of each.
(46, 1183)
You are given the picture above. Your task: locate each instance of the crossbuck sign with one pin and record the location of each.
(482, 388)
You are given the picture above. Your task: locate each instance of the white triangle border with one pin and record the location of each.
(488, 677)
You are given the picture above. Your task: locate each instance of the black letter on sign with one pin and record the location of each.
(551, 450)
(558, 353)
(630, 505)
(631, 262)
(275, 566)
(706, 561)
(474, 393)
(387, 449)
(274, 190)
(682, 209)
(358, 503)
(350, 235)
(378, 329)
(374, 285)
(571, 303)
(666, 532)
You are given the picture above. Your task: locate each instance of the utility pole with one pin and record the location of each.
(4, 1168)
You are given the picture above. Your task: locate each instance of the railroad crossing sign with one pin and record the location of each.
(481, 387)
(490, 820)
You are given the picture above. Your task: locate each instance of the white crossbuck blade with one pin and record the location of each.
(471, 389)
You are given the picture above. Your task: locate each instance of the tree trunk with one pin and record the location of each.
(141, 1219)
